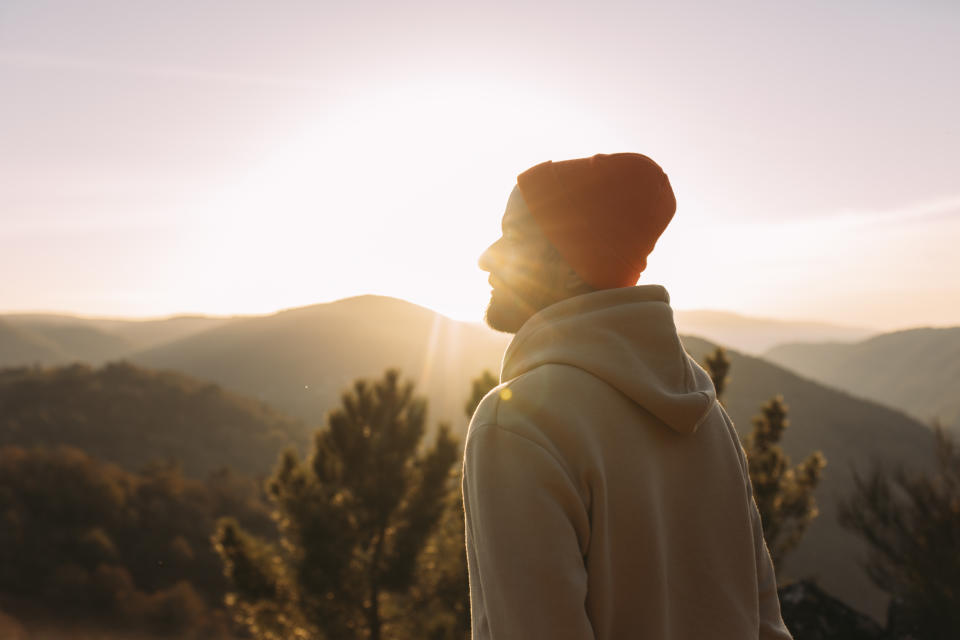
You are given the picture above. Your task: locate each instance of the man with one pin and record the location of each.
(605, 489)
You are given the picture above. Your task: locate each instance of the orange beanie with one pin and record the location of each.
(603, 214)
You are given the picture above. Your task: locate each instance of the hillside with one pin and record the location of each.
(917, 370)
(852, 434)
(755, 335)
(302, 359)
(98, 340)
(145, 334)
(20, 346)
(75, 343)
(63, 339)
(130, 416)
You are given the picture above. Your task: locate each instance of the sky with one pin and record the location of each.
(230, 157)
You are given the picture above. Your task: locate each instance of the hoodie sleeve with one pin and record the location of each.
(526, 526)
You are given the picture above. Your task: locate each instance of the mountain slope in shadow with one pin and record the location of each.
(754, 335)
(917, 370)
(94, 340)
(22, 346)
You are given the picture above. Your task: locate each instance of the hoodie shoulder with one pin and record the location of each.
(486, 411)
(557, 405)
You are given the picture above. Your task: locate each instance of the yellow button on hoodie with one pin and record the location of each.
(605, 489)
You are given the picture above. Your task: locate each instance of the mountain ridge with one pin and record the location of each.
(916, 370)
(754, 334)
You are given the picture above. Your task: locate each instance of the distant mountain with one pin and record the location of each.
(130, 416)
(57, 340)
(96, 340)
(299, 360)
(80, 343)
(21, 346)
(917, 370)
(852, 434)
(302, 359)
(104, 339)
(755, 335)
(145, 334)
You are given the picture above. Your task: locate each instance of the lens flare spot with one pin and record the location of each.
(506, 394)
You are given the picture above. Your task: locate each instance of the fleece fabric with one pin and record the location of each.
(605, 488)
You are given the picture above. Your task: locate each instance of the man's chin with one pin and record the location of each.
(504, 316)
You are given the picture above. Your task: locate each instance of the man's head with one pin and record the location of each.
(527, 272)
(572, 227)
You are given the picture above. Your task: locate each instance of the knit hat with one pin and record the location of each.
(603, 214)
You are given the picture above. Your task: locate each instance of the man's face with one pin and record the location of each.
(526, 272)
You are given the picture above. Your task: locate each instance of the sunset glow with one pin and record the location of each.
(152, 170)
(287, 352)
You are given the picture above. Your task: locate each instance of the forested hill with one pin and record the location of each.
(131, 416)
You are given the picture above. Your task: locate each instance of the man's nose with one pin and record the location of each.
(490, 258)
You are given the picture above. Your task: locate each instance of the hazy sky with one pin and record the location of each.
(243, 157)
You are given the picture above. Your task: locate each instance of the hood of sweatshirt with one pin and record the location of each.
(627, 338)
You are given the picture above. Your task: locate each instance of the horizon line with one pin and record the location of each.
(241, 315)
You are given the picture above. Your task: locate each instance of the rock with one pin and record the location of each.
(812, 614)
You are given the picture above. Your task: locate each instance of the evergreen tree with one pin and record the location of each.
(718, 366)
(481, 386)
(784, 495)
(441, 597)
(911, 523)
(454, 583)
(441, 603)
(353, 520)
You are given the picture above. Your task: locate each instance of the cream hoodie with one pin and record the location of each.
(605, 489)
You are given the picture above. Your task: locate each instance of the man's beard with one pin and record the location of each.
(507, 311)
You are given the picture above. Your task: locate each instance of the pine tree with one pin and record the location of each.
(911, 524)
(353, 520)
(448, 605)
(718, 365)
(480, 387)
(784, 495)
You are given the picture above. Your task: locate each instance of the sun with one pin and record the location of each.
(396, 192)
